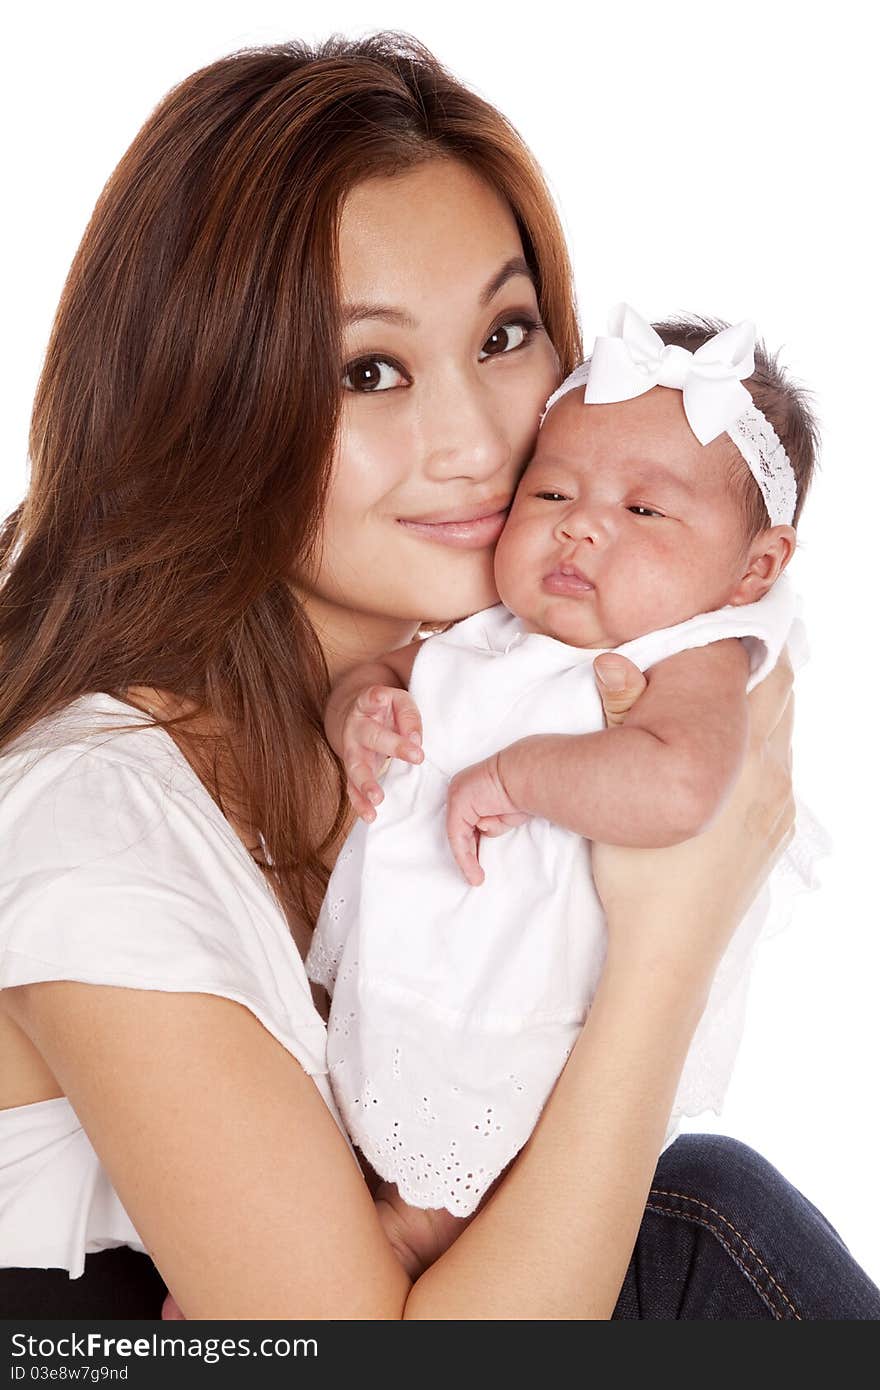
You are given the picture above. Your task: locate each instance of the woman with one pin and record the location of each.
(295, 374)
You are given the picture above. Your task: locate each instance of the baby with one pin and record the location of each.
(461, 937)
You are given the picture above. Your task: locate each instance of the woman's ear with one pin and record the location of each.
(767, 557)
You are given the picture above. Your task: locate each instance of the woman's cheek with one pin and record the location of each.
(373, 461)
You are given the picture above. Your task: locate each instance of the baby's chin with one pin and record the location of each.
(567, 620)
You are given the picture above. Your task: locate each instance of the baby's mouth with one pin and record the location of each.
(567, 580)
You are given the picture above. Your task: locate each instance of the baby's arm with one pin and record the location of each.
(369, 717)
(655, 780)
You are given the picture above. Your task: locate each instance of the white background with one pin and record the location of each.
(717, 159)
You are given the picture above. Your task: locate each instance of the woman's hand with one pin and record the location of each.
(620, 683)
(418, 1236)
(679, 906)
(170, 1310)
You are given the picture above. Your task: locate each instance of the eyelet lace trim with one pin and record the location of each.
(413, 1105)
(435, 1160)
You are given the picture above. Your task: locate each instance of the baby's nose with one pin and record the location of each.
(583, 522)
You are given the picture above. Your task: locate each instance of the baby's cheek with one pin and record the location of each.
(673, 589)
(509, 564)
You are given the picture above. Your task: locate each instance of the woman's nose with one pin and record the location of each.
(465, 435)
(584, 522)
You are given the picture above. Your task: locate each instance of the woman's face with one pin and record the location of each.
(447, 369)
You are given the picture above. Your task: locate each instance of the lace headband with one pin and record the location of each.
(634, 358)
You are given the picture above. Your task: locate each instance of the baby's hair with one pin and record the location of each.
(787, 406)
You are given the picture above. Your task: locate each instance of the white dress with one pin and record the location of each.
(117, 868)
(454, 1007)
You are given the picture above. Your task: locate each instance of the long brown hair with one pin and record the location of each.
(185, 418)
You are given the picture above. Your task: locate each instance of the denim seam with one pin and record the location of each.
(710, 1226)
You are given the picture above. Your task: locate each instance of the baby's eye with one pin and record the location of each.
(644, 511)
(366, 376)
(552, 496)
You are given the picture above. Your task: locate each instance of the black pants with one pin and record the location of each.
(120, 1283)
(724, 1235)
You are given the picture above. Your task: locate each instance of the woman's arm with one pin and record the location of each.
(222, 1151)
(236, 1178)
(235, 1175)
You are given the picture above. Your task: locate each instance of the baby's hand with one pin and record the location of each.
(381, 722)
(478, 804)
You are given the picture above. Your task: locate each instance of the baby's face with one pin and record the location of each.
(622, 523)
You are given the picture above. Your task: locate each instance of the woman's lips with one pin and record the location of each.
(476, 534)
(567, 582)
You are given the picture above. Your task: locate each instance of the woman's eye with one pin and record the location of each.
(367, 375)
(644, 511)
(509, 336)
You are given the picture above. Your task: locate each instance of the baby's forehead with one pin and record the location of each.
(648, 436)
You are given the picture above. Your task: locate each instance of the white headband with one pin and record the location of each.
(634, 358)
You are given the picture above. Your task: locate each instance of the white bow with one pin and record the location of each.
(634, 358)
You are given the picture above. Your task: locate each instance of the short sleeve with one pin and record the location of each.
(111, 874)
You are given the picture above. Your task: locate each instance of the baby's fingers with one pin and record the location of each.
(499, 825)
(364, 792)
(407, 717)
(365, 734)
(462, 838)
(465, 853)
(374, 700)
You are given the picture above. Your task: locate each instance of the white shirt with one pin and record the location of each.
(118, 868)
(454, 1007)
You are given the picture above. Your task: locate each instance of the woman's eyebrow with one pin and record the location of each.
(356, 313)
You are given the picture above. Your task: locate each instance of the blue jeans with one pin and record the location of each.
(723, 1236)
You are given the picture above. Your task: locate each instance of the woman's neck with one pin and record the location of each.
(349, 637)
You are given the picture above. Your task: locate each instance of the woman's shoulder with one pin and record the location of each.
(92, 723)
(85, 780)
(117, 867)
